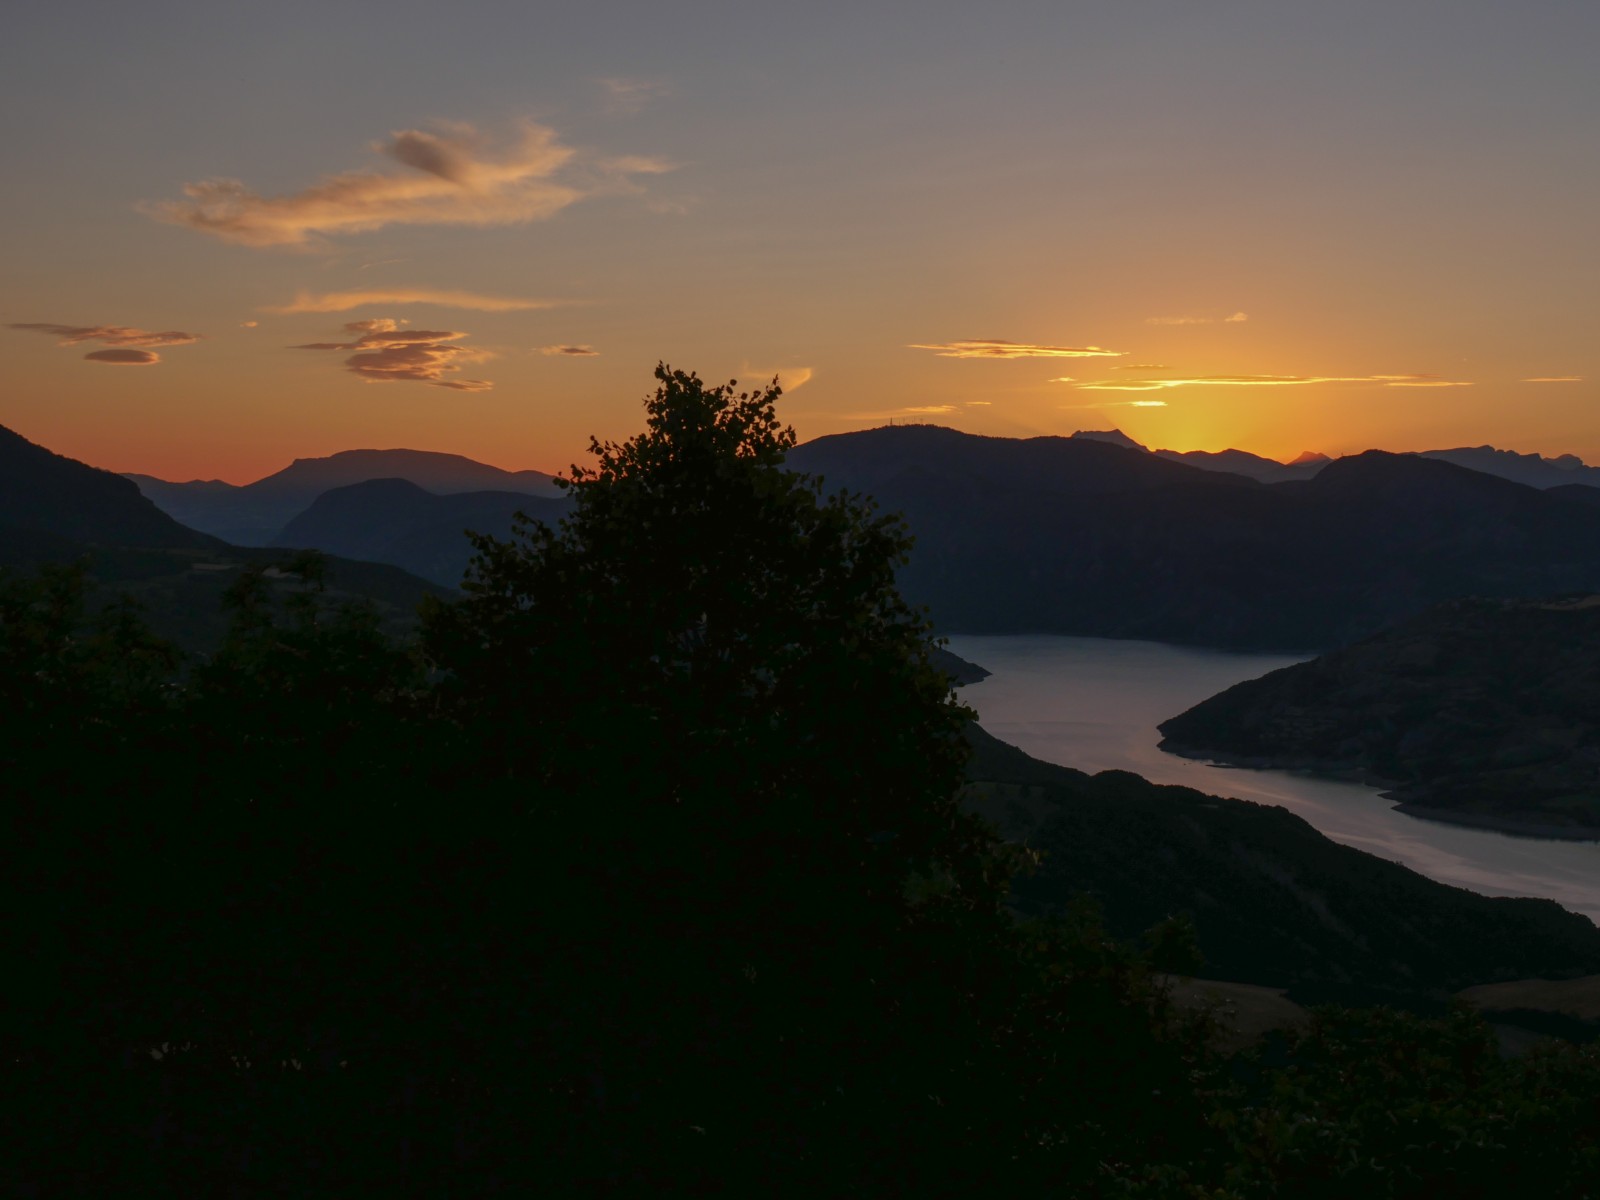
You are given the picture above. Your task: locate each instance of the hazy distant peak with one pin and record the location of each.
(1307, 457)
(1532, 469)
(1115, 436)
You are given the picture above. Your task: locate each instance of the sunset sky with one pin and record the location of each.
(236, 235)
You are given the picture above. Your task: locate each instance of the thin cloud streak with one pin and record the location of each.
(449, 177)
(1555, 379)
(331, 302)
(571, 351)
(1151, 385)
(1237, 318)
(110, 335)
(628, 97)
(1113, 404)
(995, 348)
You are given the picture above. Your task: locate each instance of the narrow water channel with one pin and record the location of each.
(1094, 704)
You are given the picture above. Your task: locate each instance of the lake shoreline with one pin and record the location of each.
(1094, 705)
(1389, 789)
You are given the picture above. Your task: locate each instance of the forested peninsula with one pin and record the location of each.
(1478, 712)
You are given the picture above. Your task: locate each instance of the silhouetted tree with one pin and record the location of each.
(704, 688)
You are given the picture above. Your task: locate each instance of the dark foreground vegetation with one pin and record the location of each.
(644, 869)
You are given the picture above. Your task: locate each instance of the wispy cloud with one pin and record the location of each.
(1063, 379)
(450, 177)
(110, 335)
(1237, 318)
(124, 358)
(1140, 367)
(571, 351)
(1113, 404)
(790, 379)
(387, 354)
(626, 97)
(1555, 379)
(995, 348)
(248, 324)
(331, 302)
(978, 403)
(926, 409)
(128, 347)
(1151, 385)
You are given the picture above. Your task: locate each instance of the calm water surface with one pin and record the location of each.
(1094, 704)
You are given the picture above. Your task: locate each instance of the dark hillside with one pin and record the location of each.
(395, 521)
(59, 510)
(1273, 901)
(1080, 537)
(1069, 466)
(48, 494)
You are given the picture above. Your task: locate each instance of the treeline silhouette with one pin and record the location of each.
(643, 868)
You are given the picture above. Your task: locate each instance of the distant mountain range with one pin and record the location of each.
(55, 509)
(254, 514)
(1092, 535)
(1478, 712)
(1531, 469)
(1085, 536)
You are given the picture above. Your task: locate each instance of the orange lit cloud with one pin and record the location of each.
(1151, 385)
(329, 302)
(124, 358)
(449, 177)
(1555, 379)
(248, 324)
(995, 348)
(110, 335)
(1237, 318)
(1140, 367)
(1114, 404)
(789, 379)
(571, 351)
(387, 354)
(927, 409)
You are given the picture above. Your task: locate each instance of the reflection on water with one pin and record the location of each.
(1094, 704)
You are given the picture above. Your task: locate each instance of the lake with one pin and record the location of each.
(1094, 704)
